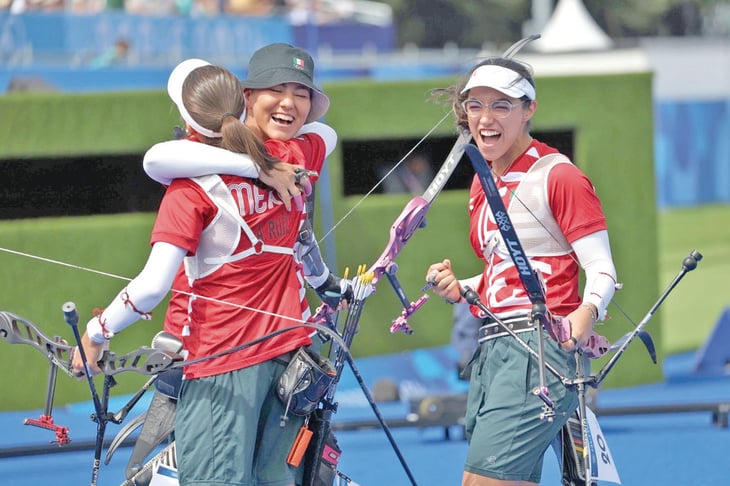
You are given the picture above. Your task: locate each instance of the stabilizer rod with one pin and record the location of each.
(688, 264)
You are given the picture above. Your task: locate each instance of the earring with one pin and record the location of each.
(180, 133)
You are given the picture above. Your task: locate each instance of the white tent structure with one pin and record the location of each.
(571, 28)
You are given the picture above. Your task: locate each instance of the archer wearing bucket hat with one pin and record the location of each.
(231, 242)
(280, 63)
(276, 114)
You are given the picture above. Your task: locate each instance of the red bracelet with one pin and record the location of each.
(127, 301)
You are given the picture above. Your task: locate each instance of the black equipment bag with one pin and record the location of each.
(323, 454)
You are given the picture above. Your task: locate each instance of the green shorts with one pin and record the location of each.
(228, 430)
(507, 437)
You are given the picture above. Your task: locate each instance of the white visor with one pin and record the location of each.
(502, 79)
(175, 87)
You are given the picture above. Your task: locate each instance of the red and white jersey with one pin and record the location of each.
(272, 282)
(556, 206)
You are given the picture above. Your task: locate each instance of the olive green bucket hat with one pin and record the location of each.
(282, 63)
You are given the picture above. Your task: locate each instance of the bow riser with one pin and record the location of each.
(408, 221)
(144, 360)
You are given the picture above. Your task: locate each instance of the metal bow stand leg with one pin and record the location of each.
(583, 380)
(101, 405)
(148, 361)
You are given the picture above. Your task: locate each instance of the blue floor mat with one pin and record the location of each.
(649, 449)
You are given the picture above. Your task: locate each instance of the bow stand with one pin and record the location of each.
(17, 330)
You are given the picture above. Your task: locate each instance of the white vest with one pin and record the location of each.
(221, 237)
(531, 215)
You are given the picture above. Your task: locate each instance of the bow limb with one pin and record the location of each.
(17, 330)
(413, 215)
(411, 218)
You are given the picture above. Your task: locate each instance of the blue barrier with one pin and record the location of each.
(346, 36)
(38, 38)
(90, 80)
(692, 152)
(68, 39)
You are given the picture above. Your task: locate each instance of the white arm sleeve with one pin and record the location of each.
(326, 132)
(470, 282)
(176, 159)
(144, 292)
(594, 255)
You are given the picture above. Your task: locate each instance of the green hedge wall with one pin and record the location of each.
(610, 116)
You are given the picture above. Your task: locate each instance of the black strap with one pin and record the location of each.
(528, 277)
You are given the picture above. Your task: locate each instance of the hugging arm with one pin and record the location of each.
(177, 159)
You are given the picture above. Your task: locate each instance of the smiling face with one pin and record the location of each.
(500, 140)
(277, 112)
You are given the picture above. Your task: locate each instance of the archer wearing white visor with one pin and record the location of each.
(559, 220)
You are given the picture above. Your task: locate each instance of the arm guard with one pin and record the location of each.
(329, 288)
(594, 254)
(308, 253)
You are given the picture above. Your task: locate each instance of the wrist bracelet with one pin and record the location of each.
(575, 341)
(592, 309)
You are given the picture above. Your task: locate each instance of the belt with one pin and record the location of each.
(494, 329)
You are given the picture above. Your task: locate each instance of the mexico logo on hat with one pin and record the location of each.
(280, 63)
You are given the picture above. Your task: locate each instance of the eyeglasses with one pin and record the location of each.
(498, 108)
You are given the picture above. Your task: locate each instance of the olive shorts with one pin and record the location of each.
(228, 430)
(507, 438)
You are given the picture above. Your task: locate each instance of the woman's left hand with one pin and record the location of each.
(93, 352)
(581, 320)
(283, 179)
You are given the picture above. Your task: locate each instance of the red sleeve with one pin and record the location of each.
(307, 150)
(184, 211)
(574, 202)
(314, 151)
(288, 151)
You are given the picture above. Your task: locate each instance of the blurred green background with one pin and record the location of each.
(47, 261)
(36, 289)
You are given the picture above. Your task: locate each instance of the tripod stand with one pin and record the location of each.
(582, 472)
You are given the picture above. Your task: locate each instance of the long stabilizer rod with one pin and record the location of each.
(688, 264)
